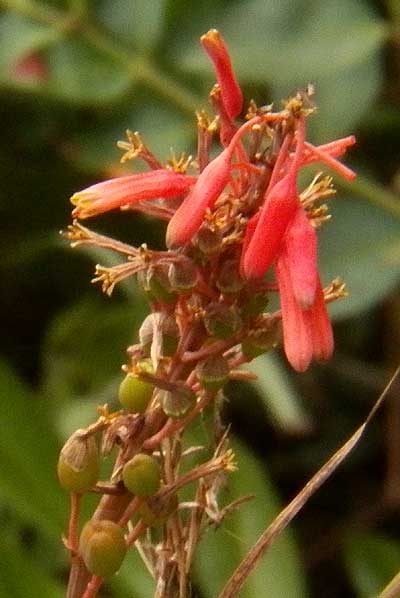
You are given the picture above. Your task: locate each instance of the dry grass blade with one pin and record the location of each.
(392, 590)
(267, 538)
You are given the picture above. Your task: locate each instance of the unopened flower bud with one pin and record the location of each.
(208, 240)
(213, 373)
(182, 276)
(176, 403)
(102, 547)
(222, 321)
(141, 475)
(156, 511)
(229, 279)
(135, 394)
(78, 463)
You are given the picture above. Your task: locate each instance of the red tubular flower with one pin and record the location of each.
(301, 247)
(125, 190)
(280, 205)
(211, 182)
(297, 337)
(189, 216)
(215, 47)
(320, 327)
(307, 334)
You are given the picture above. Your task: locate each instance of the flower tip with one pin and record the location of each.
(212, 37)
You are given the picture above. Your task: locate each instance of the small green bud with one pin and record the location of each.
(178, 402)
(209, 241)
(213, 373)
(141, 475)
(222, 321)
(78, 463)
(102, 547)
(254, 305)
(182, 276)
(229, 279)
(135, 394)
(155, 512)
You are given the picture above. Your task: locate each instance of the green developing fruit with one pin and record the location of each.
(178, 402)
(213, 373)
(102, 547)
(78, 464)
(222, 321)
(259, 343)
(135, 394)
(254, 305)
(141, 475)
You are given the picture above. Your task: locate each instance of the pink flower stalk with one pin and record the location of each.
(122, 191)
(280, 205)
(307, 333)
(232, 97)
(210, 184)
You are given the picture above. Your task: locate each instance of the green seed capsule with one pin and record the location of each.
(177, 403)
(135, 394)
(254, 305)
(141, 475)
(208, 241)
(155, 512)
(260, 343)
(102, 547)
(78, 464)
(222, 321)
(213, 373)
(182, 276)
(229, 280)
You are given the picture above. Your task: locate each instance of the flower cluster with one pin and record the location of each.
(248, 195)
(238, 231)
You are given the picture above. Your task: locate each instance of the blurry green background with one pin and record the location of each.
(73, 76)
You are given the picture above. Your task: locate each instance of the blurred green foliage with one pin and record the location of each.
(74, 75)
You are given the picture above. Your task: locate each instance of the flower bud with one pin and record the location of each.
(182, 276)
(78, 463)
(222, 321)
(209, 241)
(141, 475)
(213, 373)
(178, 402)
(102, 547)
(135, 394)
(229, 279)
(156, 511)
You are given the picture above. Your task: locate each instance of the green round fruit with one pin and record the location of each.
(135, 394)
(102, 547)
(78, 464)
(213, 373)
(142, 475)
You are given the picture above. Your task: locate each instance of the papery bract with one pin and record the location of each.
(122, 191)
